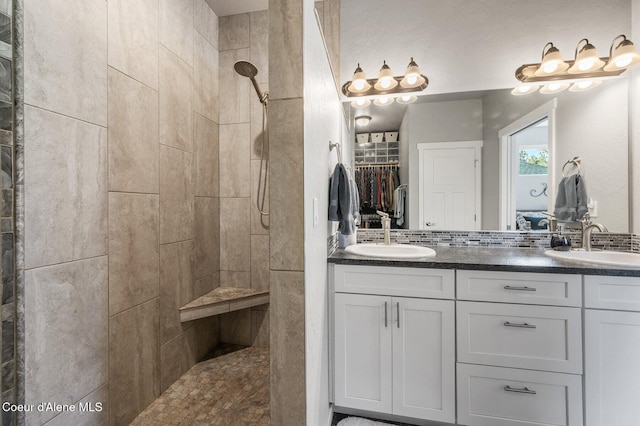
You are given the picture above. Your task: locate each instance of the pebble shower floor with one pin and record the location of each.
(231, 389)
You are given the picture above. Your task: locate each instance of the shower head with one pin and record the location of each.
(247, 69)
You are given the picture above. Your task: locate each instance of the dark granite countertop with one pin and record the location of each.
(489, 258)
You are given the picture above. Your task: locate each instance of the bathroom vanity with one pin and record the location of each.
(485, 336)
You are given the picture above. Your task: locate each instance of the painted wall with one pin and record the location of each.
(592, 124)
(121, 200)
(322, 123)
(634, 127)
(464, 45)
(437, 122)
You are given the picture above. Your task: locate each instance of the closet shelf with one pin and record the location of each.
(223, 300)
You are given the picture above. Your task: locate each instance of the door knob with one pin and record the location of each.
(430, 224)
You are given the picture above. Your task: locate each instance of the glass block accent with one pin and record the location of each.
(8, 332)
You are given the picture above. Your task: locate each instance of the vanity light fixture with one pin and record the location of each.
(362, 120)
(406, 99)
(383, 100)
(624, 55)
(386, 83)
(360, 103)
(584, 71)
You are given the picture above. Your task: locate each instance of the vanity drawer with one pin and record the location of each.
(533, 337)
(618, 293)
(493, 396)
(391, 281)
(520, 287)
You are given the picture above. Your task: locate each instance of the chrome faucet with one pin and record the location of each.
(386, 226)
(587, 230)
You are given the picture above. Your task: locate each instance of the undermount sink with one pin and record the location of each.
(395, 251)
(605, 257)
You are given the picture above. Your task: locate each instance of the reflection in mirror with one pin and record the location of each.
(591, 124)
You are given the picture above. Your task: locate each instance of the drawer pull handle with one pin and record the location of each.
(398, 308)
(525, 288)
(385, 314)
(518, 325)
(519, 390)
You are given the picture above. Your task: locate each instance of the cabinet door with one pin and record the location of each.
(363, 352)
(612, 367)
(424, 359)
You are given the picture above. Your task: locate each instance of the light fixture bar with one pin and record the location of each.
(525, 73)
(374, 92)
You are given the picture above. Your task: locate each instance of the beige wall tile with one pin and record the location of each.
(176, 282)
(235, 165)
(287, 348)
(234, 88)
(235, 279)
(235, 234)
(176, 28)
(235, 327)
(234, 31)
(260, 262)
(176, 87)
(65, 189)
(133, 135)
(205, 78)
(259, 44)
(259, 181)
(65, 58)
(205, 336)
(133, 250)
(206, 284)
(260, 327)
(133, 39)
(285, 49)
(176, 357)
(286, 200)
(176, 195)
(87, 418)
(205, 22)
(207, 236)
(134, 361)
(206, 159)
(66, 326)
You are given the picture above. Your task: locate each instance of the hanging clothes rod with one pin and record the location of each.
(373, 165)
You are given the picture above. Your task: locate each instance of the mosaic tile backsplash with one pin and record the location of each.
(540, 240)
(608, 241)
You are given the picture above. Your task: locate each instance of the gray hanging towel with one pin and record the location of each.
(571, 199)
(340, 202)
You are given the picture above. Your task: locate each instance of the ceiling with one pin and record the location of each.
(389, 117)
(234, 7)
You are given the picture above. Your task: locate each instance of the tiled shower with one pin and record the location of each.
(139, 161)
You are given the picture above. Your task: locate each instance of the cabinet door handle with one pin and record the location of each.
(385, 314)
(398, 309)
(525, 288)
(519, 325)
(519, 390)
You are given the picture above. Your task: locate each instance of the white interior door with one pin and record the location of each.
(450, 174)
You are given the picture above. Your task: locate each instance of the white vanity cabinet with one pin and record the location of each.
(394, 353)
(612, 350)
(519, 347)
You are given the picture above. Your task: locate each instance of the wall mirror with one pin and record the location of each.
(470, 59)
(591, 124)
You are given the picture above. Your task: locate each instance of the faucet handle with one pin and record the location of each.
(586, 219)
(383, 214)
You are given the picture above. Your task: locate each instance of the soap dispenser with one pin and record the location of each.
(559, 241)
